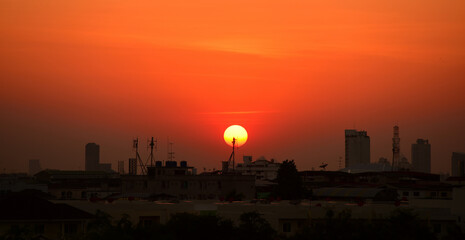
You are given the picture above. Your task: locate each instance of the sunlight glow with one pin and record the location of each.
(235, 131)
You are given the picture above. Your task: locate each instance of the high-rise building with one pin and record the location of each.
(34, 166)
(421, 156)
(92, 157)
(133, 166)
(458, 164)
(357, 147)
(121, 167)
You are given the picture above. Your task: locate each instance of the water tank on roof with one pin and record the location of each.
(183, 163)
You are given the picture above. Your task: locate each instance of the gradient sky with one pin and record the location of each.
(295, 74)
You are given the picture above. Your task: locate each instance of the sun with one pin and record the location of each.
(237, 132)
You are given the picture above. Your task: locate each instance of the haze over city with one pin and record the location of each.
(295, 75)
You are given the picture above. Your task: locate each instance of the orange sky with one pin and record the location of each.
(295, 74)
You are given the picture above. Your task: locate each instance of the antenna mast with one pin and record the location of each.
(395, 149)
(138, 159)
(170, 151)
(232, 154)
(152, 144)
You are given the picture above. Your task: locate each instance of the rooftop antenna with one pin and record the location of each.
(395, 148)
(170, 151)
(232, 154)
(135, 145)
(152, 144)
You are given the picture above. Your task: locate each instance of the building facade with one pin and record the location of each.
(421, 156)
(357, 147)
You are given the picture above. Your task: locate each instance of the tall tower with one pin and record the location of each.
(395, 148)
(92, 157)
(357, 147)
(421, 156)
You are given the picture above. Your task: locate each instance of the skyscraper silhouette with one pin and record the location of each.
(92, 157)
(357, 147)
(421, 156)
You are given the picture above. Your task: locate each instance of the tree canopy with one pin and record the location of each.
(289, 181)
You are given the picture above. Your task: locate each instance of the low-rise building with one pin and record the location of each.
(173, 181)
(80, 184)
(261, 168)
(41, 219)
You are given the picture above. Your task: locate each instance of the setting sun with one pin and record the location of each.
(237, 132)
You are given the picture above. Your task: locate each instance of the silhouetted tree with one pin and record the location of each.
(289, 181)
(253, 226)
(191, 226)
(403, 224)
(234, 196)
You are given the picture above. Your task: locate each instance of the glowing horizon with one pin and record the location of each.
(295, 73)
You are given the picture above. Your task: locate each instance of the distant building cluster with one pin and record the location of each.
(357, 154)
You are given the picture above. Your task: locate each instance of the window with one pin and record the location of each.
(416, 194)
(184, 184)
(83, 195)
(69, 195)
(433, 194)
(63, 195)
(405, 194)
(443, 194)
(286, 227)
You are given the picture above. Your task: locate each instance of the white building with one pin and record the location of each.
(261, 168)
